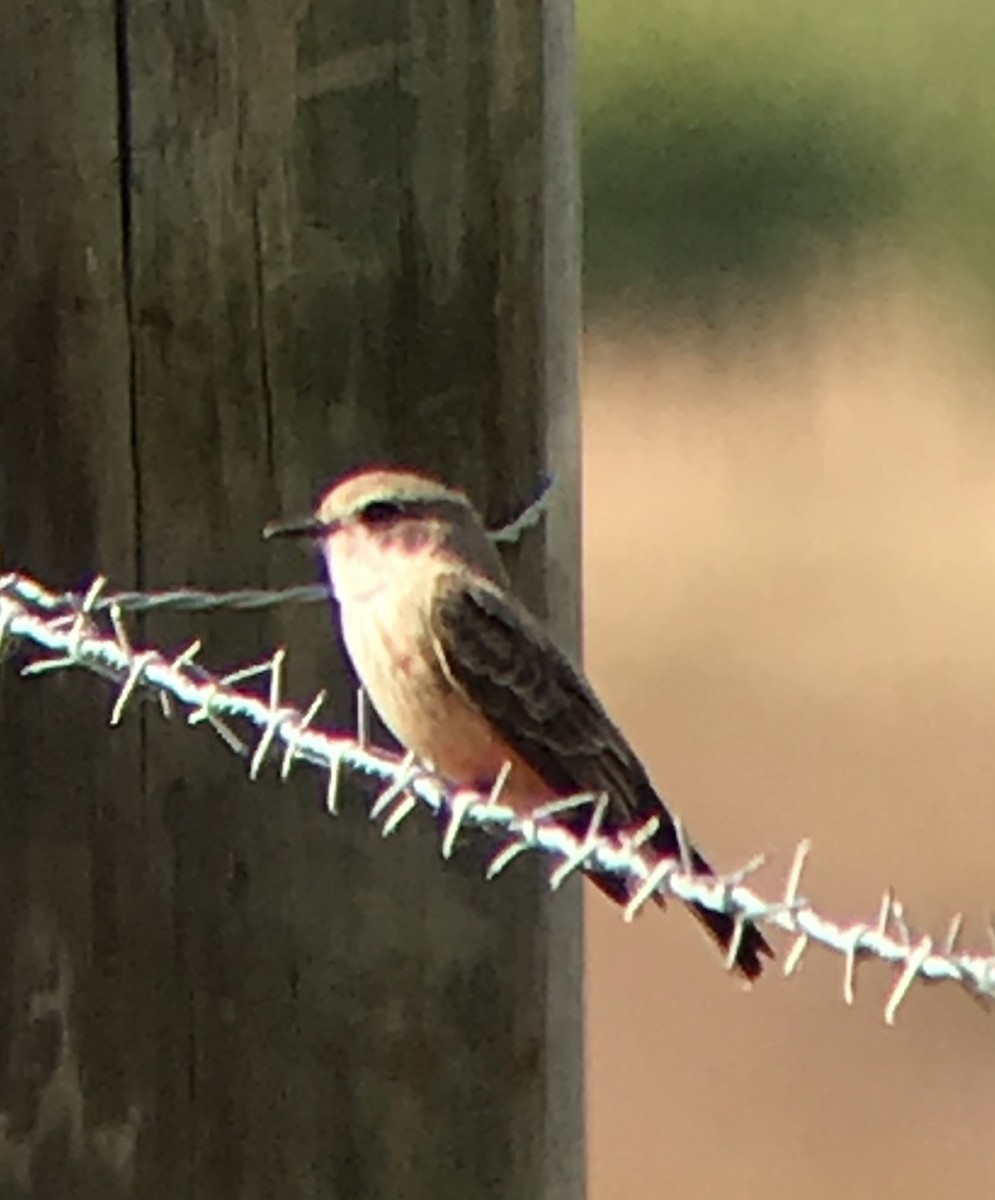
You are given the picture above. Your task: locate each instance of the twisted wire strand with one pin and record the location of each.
(88, 631)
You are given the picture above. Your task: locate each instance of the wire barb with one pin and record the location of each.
(653, 884)
(8, 612)
(850, 958)
(293, 729)
(134, 677)
(276, 717)
(332, 787)
(394, 789)
(459, 806)
(732, 953)
(794, 880)
(405, 805)
(504, 858)
(793, 959)
(908, 976)
(582, 855)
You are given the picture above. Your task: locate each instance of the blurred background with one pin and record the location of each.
(789, 394)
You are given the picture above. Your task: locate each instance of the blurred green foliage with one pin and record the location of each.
(729, 145)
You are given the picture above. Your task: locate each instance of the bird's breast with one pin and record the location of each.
(389, 639)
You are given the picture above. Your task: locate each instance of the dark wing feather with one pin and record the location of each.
(497, 655)
(538, 701)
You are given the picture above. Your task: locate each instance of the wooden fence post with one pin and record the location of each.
(248, 244)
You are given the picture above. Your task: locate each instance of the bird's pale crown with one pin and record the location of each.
(354, 493)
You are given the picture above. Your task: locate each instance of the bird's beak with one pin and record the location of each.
(309, 527)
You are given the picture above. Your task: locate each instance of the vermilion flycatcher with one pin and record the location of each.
(463, 675)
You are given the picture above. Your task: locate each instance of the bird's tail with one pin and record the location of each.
(753, 946)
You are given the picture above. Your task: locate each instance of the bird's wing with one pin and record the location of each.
(493, 651)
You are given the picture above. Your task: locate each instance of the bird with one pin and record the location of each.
(467, 679)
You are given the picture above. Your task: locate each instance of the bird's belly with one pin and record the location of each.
(399, 671)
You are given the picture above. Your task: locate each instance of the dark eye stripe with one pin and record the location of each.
(381, 512)
(385, 512)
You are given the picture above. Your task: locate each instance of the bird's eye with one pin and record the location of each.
(381, 512)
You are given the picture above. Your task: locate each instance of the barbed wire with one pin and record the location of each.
(88, 631)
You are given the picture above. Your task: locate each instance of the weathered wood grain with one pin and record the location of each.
(248, 244)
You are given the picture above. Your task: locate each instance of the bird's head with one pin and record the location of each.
(372, 522)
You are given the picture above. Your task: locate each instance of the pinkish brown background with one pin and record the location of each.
(790, 608)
